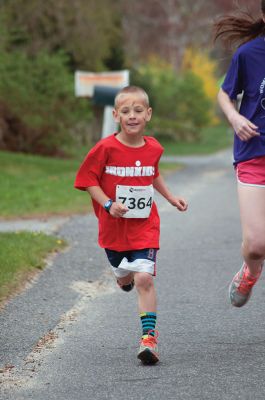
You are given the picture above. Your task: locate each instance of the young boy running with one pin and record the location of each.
(120, 173)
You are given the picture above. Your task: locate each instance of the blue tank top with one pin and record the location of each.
(246, 75)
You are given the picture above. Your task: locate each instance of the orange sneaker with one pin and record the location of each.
(148, 352)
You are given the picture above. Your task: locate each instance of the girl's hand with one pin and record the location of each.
(179, 202)
(117, 210)
(244, 128)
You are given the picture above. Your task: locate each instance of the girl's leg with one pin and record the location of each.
(252, 213)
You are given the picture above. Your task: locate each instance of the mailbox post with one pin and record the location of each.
(104, 97)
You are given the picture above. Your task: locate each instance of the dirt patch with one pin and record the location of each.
(46, 341)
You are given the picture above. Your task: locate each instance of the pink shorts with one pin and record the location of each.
(252, 172)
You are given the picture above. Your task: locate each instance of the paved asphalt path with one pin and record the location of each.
(73, 335)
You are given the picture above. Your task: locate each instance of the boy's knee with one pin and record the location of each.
(143, 280)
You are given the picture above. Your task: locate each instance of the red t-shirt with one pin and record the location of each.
(110, 163)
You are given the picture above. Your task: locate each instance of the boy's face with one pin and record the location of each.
(132, 113)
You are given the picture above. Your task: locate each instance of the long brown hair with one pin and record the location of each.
(239, 28)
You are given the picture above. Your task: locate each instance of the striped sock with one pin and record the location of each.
(148, 320)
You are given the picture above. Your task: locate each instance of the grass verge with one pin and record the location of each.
(22, 254)
(38, 186)
(212, 139)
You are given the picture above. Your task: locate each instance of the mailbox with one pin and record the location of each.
(104, 95)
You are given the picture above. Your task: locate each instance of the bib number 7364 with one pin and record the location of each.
(138, 199)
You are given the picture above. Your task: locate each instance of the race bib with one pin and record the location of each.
(138, 199)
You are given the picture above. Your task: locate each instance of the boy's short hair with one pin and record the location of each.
(131, 90)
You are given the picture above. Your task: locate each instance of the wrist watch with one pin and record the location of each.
(107, 205)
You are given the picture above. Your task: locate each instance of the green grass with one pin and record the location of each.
(21, 254)
(212, 139)
(38, 186)
(165, 168)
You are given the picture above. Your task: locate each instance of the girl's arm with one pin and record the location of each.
(116, 210)
(244, 128)
(160, 186)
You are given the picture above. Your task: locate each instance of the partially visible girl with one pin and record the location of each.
(246, 76)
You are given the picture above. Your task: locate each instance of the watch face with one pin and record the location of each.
(108, 205)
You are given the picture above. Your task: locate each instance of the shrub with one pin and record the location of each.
(179, 103)
(40, 93)
(201, 65)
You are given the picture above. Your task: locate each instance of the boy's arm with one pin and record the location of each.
(116, 210)
(160, 186)
(244, 128)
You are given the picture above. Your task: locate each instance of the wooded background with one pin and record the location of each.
(166, 44)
